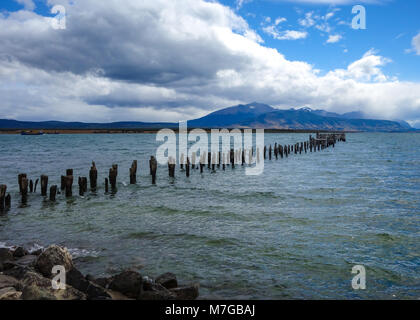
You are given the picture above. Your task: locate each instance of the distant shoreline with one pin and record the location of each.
(151, 131)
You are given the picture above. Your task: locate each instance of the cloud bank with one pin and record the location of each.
(171, 60)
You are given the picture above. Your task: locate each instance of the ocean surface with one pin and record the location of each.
(293, 232)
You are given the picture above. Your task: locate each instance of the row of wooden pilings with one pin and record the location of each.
(212, 160)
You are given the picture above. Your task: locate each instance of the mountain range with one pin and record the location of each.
(253, 115)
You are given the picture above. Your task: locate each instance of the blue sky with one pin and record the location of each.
(391, 26)
(163, 60)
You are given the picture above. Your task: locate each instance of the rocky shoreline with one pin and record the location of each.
(28, 275)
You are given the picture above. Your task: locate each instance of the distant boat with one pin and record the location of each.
(32, 133)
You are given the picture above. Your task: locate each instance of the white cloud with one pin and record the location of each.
(308, 21)
(191, 57)
(284, 35)
(334, 38)
(280, 20)
(416, 44)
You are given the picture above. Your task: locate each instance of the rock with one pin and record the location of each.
(16, 271)
(27, 260)
(10, 293)
(103, 282)
(7, 282)
(34, 292)
(186, 293)
(33, 278)
(168, 280)
(156, 291)
(93, 291)
(36, 287)
(20, 252)
(128, 283)
(5, 255)
(117, 295)
(36, 252)
(53, 256)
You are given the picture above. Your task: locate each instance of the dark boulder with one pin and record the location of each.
(186, 293)
(93, 291)
(168, 280)
(5, 255)
(9, 282)
(20, 252)
(53, 256)
(128, 283)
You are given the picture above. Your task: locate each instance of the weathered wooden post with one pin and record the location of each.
(265, 152)
(93, 176)
(243, 157)
(24, 184)
(208, 160)
(8, 201)
(187, 167)
(171, 167)
(232, 158)
(31, 186)
(224, 162)
(36, 184)
(113, 173)
(3, 189)
(63, 183)
(153, 166)
(218, 159)
(269, 152)
(276, 151)
(82, 185)
(53, 192)
(213, 162)
(106, 185)
(182, 162)
(69, 184)
(193, 160)
(20, 177)
(44, 185)
(202, 155)
(133, 172)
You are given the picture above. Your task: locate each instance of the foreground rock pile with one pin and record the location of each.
(27, 276)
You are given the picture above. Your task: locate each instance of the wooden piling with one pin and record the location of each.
(187, 167)
(82, 185)
(93, 176)
(7, 202)
(53, 192)
(269, 152)
(153, 166)
(44, 185)
(106, 185)
(24, 185)
(171, 167)
(20, 177)
(63, 183)
(3, 189)
(31, 186)
(113, 173)
(68, 181)
(36, 184)
(133, 172)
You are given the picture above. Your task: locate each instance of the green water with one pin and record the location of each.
(293, 232)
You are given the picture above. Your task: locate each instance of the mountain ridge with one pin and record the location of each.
(253, 115)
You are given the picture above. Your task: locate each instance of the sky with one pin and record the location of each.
(143, 60)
